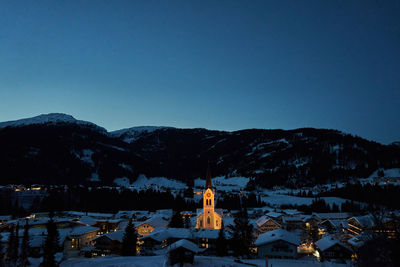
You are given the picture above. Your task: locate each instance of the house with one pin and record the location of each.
(357, 224)
(278, 243)
(333, 225)
(107, 225)
(182, 252)
(266, 224)
(293, 222)
(146, 227)
(207, 239)
(331, 248)
(77, 238)
(110, 243)
(162, 237)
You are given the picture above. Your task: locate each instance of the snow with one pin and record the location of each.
(143, 182)
(52, 119)
(389, 173)
(123, 182)
(80, 230)
(200, 261)
(276, 198)
(329, 241)
(132, 134)
(126, 167)
(86, 156)
(224, 184)
(94, 177)
(116, 261)
(115, 235)
(275, 235)
(184, 244)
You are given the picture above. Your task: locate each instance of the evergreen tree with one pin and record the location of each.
(242, 240)
(1, 253)
(51, 245)
(23, 259)
(221, 242)
(129, 241)
(16, 250)
(176, 220)
(12, 249)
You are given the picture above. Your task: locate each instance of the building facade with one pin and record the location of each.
(209, 218)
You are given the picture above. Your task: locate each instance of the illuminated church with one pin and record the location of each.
(208, 218)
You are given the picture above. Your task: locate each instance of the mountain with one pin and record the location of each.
(58, 149)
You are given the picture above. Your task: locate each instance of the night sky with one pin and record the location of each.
(225, 65)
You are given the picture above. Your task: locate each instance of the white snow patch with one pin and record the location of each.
(86, 156)
(143, 182)
(132, 134)
(94, 177)
(51, 118)
(223, 184)
(124, 182)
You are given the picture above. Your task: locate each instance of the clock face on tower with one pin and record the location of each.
(208, 195)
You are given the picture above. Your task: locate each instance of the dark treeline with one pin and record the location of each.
(112, 200)
(388, 195)
(319, 205)
(235, 201)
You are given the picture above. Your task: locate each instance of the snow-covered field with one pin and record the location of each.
(276, 199)
(223, 184)
(143, 182)
(200, 261)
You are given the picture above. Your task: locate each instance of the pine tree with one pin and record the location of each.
(176, 220)
(129, 241)
(51, 245)
(242, 240)
(1, 253)
(12, 249)
(221, 242)
(23, 259)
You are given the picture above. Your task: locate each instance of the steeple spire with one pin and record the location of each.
(208, 178)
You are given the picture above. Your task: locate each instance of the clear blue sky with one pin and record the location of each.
(224, 65)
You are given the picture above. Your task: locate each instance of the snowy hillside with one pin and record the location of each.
(143, 182)
(51, 118)
(132, 134)
(224, 184)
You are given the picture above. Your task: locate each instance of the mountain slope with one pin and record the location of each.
(57, 149)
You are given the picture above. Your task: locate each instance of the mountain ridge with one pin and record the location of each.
(61, 149)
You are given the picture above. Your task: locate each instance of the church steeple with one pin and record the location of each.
(208, 178)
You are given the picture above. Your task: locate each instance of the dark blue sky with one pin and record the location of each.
(225, 65)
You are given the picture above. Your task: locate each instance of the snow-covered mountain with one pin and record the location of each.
(57, 148)
(50, 119)
(132, 134)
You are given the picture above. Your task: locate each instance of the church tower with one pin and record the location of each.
(208, 219)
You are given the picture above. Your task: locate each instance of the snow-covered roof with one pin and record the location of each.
(115, 235)
(329, 241)
(163, 234)
(365, 221)
(341, 223)
(184, 244)
(273, 214)
(296, 218)
(155, 221)
(208, 233)
(263, 219)
(275, 235)
(80, 230)
(359, 240)
(332, 215)
(88, 220)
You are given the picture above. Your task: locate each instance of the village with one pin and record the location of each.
(266, 234)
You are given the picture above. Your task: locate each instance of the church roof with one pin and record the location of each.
(208, 178)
